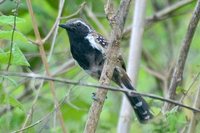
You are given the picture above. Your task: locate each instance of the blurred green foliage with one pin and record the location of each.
(162, 41)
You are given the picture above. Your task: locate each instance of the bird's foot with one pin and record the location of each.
(94, 97)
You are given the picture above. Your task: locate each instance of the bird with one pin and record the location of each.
(88, 48)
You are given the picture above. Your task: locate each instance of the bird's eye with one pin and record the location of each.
(78, 24)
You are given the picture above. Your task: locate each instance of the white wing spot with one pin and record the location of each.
(91, 39)
(145, 112)
(101, 40)
(147, 117)
(138, 104)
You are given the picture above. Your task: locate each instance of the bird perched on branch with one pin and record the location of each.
(88, 48)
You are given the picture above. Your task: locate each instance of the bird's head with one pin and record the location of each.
(77, 28)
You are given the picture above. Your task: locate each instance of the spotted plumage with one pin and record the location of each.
(102, 41)
(88, 48)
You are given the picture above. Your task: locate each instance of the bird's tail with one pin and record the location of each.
(141, 108)
(139, 105)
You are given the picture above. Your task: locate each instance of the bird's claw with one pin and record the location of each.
(94, 97)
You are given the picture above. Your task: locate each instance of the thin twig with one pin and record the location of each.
(43, 118)
(193, 81)
(82, 6)
(94, 18)
(30, 112)
(156, 74)
(7, 108)
(162, 14)
(177, 76)
(55, 31)
(45, 62)
(195, 116)
(13, 33)
(185, 93)
(65, 81)
(63, 68)
(61, 4)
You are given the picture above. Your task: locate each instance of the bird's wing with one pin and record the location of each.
(122, 63)
(99, 39)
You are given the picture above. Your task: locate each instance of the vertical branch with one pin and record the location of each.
(46, 65)
(117, 22)
(195, 115)
(180, 64)
(133, 62)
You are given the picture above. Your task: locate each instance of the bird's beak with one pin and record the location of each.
(63, 26)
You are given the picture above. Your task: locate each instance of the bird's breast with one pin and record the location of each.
(87, 56)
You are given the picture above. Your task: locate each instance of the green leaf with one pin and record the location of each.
(14, 102)
(156, 110)
(4, 58)
(6, 99)
(12, 81)
(2, 98)
(10, 20)
(18, 36)
(180, 90)
(17, 57)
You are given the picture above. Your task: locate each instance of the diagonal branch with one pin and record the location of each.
(94, 18)
(42, 119)
(82, 6)
(166, 12)
(161, 15)
(55, 31)
(117, 21)
(45, 62)
(177, 76)
(59, 18)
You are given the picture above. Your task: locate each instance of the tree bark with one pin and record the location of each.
(117, 21)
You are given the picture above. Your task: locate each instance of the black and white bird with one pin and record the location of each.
(88, 48)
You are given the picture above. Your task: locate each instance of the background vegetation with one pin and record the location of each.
(21, 96)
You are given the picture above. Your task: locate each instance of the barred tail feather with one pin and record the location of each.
(139, 105)
(141, 108)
